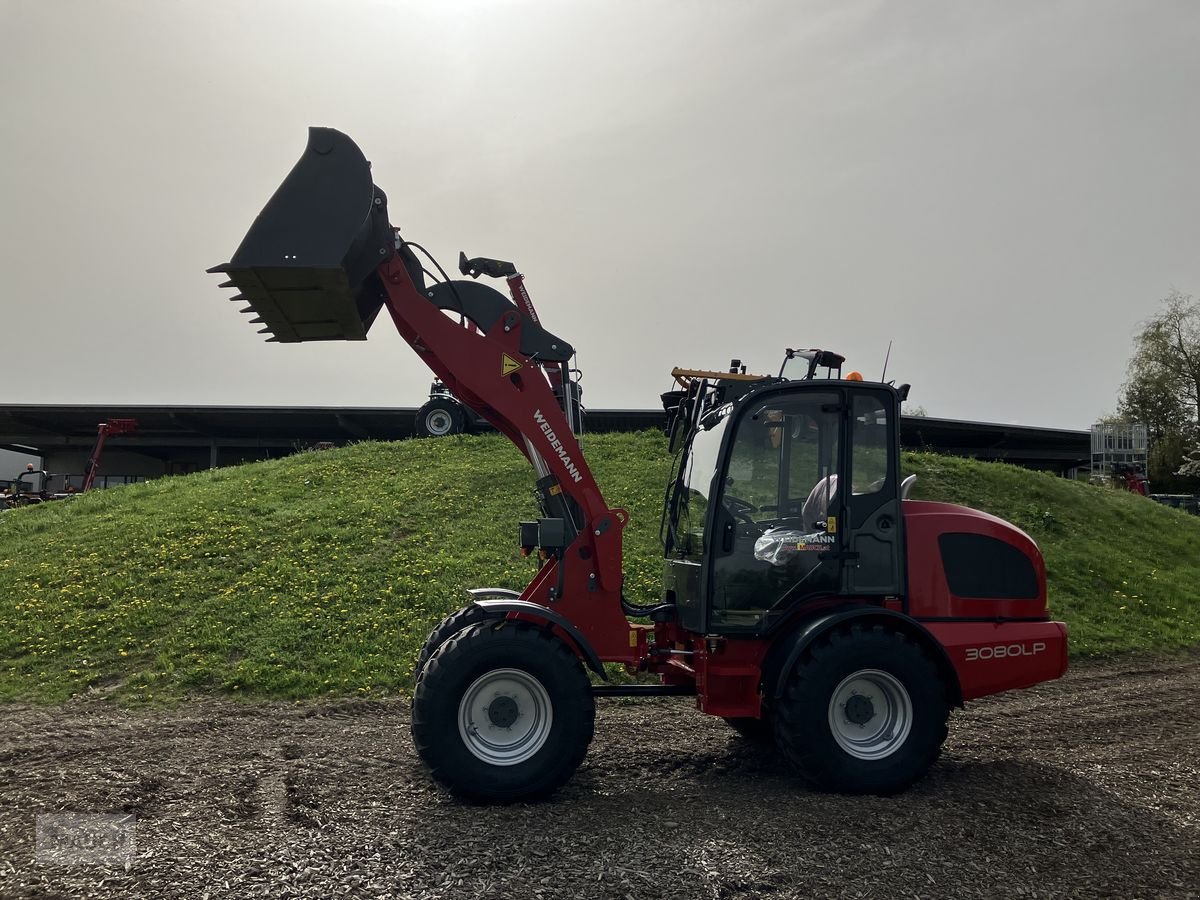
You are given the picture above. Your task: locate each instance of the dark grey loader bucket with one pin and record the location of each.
(307, 265)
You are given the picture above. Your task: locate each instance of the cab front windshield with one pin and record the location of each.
(782, 466)
(688, 505)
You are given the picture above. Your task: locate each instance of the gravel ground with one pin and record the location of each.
(1085, 787)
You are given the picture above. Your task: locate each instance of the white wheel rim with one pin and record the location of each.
(504, 717)
(870, 714)
(438, 422)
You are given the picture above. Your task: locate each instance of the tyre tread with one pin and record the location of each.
(457, 621)
(797, 738)
(456, 651)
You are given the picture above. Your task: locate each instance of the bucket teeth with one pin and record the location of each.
(264, 331)
(246, 309)
(257, 320)
(273, 340)
(307, 262)
(237, 297)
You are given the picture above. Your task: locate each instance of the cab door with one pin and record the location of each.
(773, 538)
(874, 527)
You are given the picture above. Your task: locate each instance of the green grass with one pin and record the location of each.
(321, 573)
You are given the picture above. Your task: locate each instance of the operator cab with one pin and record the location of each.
(759, 521)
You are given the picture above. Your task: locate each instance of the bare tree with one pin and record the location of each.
(1163, 389)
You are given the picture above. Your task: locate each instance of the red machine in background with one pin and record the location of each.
(1132, 478)
(804, 597)
(103, 431)
(33, 486)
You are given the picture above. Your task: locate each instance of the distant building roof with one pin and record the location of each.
(37, 428)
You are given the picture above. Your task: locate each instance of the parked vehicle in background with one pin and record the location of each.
(443, 414)
(33, 485)
(27, 488)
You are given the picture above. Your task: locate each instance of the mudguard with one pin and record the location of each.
(786, 650)
(536, 610)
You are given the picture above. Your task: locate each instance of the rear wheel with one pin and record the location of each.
(864, 712)
(503, 712)
(439, 417)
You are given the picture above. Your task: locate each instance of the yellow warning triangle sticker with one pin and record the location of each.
(508, 365)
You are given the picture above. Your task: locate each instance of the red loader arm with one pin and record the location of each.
(319, 263)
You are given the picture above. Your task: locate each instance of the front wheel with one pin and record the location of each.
(503, 712)
(457, 621)
(864, 712)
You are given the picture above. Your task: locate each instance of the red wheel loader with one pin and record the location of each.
(804, 597)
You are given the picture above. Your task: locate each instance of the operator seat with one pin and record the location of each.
(820, 498)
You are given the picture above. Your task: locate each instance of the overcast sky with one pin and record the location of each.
(1005, 189)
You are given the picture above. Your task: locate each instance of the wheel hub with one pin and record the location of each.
(503, 711)
(870, 714)
(859, 709)
(505, 716)
(438, 422)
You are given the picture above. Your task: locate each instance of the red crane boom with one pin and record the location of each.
(103, 431)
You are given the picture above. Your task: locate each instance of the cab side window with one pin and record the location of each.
(870, 445)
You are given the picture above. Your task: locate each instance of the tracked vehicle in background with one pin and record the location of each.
(805, 598)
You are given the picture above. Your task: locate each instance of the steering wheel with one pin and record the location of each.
(740, 509)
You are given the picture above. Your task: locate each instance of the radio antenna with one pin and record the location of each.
(885, 361)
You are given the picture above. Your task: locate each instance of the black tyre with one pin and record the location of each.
(864, 712)
(503, 712)
(451, 625)
(439, 417)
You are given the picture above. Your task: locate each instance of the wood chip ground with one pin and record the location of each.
(1087, 787)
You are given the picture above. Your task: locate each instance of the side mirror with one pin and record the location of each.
(676, 407)
(674, 435)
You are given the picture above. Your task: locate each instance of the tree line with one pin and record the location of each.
(1163, 392)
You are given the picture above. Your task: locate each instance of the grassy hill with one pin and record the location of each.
(323, 572)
